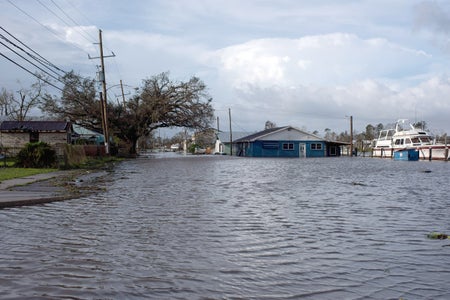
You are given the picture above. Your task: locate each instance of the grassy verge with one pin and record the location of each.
(11, 173)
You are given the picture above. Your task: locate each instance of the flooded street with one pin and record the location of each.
(218, 227)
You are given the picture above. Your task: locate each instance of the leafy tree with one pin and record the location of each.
(160, 102)
(370, 132)
(163, 103)
(421, 125)
(270, 125)
(378, 129)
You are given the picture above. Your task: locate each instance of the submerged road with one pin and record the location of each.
(206, 227)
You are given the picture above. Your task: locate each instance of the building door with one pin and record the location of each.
(333, 151)
(301, 150)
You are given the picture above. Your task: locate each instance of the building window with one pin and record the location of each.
(270, 145)
(34, 137)
(288, 146)
(316, 146)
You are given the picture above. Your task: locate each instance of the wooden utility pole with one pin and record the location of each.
(351, 135)
(123, 95)
(231, 133)
(103, 95)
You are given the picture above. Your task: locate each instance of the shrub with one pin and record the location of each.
(36, 155)
(74, 156)
(192, 148)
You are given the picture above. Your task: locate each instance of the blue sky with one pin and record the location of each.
(307, 64)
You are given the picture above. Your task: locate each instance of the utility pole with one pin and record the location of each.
(351, 135)
(231, 133)
(103, 96)
(123, 95)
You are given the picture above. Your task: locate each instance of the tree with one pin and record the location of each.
(421, 125)
(5, 102)
(78, 102)
(269, 125)
(18, 108)
(329, 135)
(378, 129)
(160, 102)
(370, 132)
(163, 103)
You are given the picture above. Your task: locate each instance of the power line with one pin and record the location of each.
(64, 21)
(21, 56)
(47, 28)
(81, 14)
(70, 18)
(37, 76)
(44, 62)
(52, 12)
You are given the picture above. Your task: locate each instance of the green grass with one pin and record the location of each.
(11, 173)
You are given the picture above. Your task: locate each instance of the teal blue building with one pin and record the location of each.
(286, 141)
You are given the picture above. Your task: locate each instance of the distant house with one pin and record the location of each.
(83, 135)
(285, 141)
(15, 134)
(222, 145)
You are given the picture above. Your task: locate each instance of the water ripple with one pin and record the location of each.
(233, 228)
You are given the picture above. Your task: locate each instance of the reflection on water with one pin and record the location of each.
(215, 227)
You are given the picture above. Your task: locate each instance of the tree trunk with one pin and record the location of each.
(133, 147)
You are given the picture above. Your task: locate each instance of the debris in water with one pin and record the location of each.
(437, 236)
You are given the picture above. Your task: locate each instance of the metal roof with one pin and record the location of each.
(224, 136)
(260, 134)
(264, 133)
(41, 126)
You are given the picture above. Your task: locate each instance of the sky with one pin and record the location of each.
(308, 64)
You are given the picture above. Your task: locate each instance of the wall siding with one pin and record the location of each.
(15, 141)
(275, 149)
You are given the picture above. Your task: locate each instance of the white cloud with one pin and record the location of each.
(304, 64)
(335, 75)
(324, 59)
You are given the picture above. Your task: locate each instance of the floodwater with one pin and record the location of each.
(218, 227)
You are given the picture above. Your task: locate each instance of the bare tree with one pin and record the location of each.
(18, 108)
(6, 99)
(78, 102)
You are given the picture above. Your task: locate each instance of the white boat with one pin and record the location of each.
(406, 136)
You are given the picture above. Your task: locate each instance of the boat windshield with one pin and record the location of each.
(421, 140)
(386, 134)
(425, 139)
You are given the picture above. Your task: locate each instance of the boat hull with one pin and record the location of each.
(432, 152)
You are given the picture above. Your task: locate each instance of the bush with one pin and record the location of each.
(192, 148)
(36, 155)
(74, 156)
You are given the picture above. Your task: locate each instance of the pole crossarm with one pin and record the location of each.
(104, 56)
